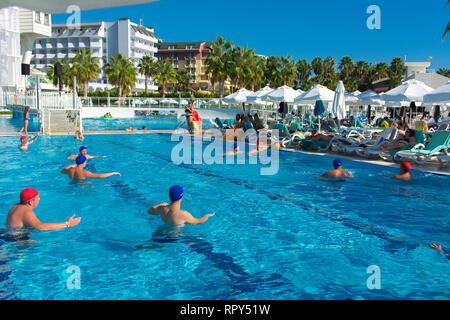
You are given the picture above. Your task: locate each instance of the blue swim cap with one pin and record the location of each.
(83, 148)
(80, 160)
(337, 163)
(175, 193)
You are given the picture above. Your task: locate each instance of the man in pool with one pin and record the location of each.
(172, 214)
(338, 172)
(438, 248)
(76, 172)
(405, 168)
(24, 142)
(22, 215)
(83, 152)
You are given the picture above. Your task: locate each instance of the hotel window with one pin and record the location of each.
(37, 17)
(46, 19)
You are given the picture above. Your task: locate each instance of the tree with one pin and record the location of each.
(304, 69)
(67, 74)
(147, 67)
(346, 68)
(397, 71)
(444, 71)
(183, 78)
(318, 66)
(215, 61)
(271, 71)
(121, 73)
(447, 29)
(288, 70)
(165, 73)
(85, 67)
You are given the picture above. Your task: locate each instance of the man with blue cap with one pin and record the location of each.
(76, 172)
(83, 152)
(172, 214)
(338, 172)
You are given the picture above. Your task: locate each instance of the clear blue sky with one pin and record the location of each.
(299, 28)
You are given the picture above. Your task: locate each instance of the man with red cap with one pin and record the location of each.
(24, 142)
(405, 168)
(22, 215)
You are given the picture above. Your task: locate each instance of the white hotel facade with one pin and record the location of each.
(103, 39)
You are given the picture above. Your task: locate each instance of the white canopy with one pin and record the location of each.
(239, 96)
(60, 6)
(351, 99)
(440, 95)
(408, 91)
(318, 92)
(283, 94)
(258, 94)
(339, 109)
(370, 97)
(213, 102)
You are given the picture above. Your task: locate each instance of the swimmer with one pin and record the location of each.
(83, 152)
(235, 148)
(405, 168)
(338, 172)
(438, 248)
(130, 128)
(172, 214)
(79, 135)
(259, 147)
(144, 128)
(22, 215)
(24, 142)
(76, 172)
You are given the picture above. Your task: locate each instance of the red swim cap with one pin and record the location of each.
(28, 194)
(22, 138)
(406, 166)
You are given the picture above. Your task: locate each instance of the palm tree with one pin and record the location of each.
(271, 71)
(85, 67)
(304, 69)
(346, 67)
(121, 73)
(183, 80)
(318, 66)
(215, 62)
(444, 71)
(65, 79)
(288, 70)
(147, 68)
(382, 70)
(397, 71)
(165, 73)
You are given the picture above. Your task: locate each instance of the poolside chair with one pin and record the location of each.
(438, 145)
(420, 138)
(388, 134)
(229, 122)
(444, 159)
(284, 137)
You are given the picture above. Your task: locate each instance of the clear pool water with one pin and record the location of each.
(8, 123)
(288, 236)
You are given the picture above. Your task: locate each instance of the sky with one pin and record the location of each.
(299, 28)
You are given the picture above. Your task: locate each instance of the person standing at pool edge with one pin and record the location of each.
(172, 214)
(22, 215)
(189, 111)
(338, 172)
(26, 118)
(76, 172)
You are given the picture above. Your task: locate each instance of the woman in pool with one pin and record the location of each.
(26, 118)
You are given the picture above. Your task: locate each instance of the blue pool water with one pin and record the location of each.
(14, 124)
(287, 236)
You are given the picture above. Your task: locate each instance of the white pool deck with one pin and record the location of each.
(430, 167)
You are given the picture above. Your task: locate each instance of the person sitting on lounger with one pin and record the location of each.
(338, 172)
(258, 122)
(320, 137)
(405, 168)
(237, 122)
(399, 143)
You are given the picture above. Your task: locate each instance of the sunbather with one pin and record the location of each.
(400, 142)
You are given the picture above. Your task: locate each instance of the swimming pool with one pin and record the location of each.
(289, 236)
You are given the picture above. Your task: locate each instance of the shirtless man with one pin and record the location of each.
(338, 172)
(83, 152)
(24, 142)
(172, 214)
(405, 168)
(76, 172)
(260, 147)
(22, 215)
(438, 248)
